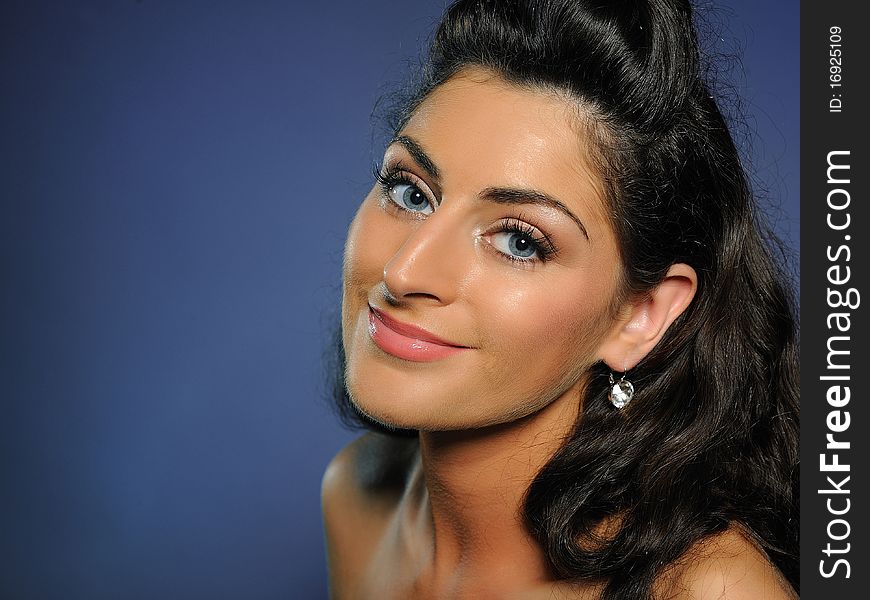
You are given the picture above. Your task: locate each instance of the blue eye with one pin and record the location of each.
(516, 244)
(410, 198)
(522, 243)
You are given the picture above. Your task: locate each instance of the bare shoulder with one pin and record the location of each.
(360, 491)
(369, 469)
(729, 566)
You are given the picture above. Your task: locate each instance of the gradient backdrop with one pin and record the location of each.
(176, 180)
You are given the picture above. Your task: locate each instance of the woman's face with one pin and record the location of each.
(480, 272)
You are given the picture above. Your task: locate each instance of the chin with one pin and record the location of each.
(406, 395)
(395, 404)
(383, 418)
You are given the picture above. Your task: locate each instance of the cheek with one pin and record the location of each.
(550, 330)
(372, 240)
(359, 269)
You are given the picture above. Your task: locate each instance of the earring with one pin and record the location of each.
(621, 391)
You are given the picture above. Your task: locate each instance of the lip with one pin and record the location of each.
(406, 341)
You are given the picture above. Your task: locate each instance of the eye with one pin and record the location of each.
(516, 244)
(409, 197)
(520, 242)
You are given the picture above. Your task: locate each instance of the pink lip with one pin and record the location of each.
(408, 341)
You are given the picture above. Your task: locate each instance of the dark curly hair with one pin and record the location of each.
(710, 439)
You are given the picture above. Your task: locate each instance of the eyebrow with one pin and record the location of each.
(499, 195)
(526, 196)
(418, 154)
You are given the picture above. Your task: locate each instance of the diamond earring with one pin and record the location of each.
(621, 391)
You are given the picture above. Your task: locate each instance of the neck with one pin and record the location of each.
(473, 484)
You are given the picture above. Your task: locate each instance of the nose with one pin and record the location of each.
(432, 263)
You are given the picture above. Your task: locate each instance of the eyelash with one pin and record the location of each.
(543, 245)
(389, 177)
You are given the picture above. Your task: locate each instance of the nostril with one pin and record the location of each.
(421, 295)
(393, 300)
(389, 298)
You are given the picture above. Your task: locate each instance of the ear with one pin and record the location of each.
(646, 319)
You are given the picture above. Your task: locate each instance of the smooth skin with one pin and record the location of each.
(493, 234)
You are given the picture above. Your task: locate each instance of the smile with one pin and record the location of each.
(408, 341)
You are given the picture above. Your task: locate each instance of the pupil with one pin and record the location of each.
(522, 245)
(414, 197)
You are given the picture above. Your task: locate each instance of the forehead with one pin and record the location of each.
(484, 130)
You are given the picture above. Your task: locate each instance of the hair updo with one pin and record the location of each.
(710, 439)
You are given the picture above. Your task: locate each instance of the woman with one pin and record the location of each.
(564, 326)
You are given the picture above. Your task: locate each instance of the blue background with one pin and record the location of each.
(176, 179)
